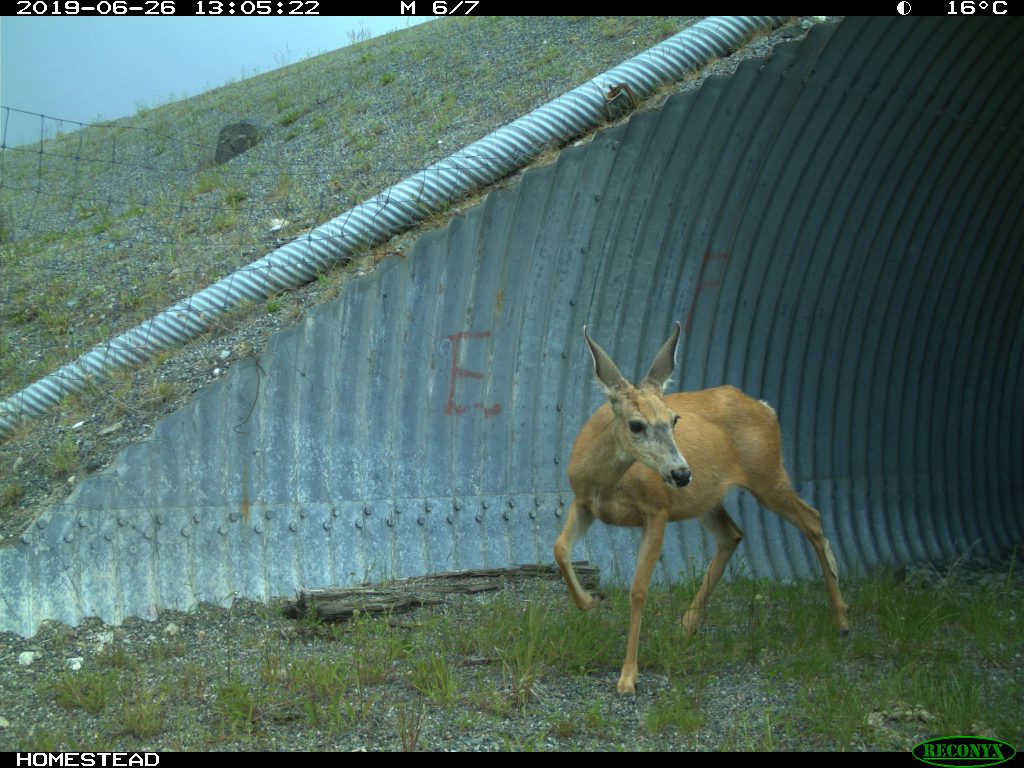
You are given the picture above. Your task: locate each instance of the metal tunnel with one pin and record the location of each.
(839, 230)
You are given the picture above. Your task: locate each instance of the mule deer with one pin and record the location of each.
(628, 468)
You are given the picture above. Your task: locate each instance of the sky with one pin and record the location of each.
(89, 68)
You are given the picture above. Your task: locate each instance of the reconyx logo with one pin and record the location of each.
(957, 751)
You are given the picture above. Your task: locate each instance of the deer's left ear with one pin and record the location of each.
(665, 361)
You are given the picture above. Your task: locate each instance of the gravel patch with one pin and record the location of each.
(190, 665)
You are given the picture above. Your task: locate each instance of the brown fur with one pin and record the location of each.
(726, 438)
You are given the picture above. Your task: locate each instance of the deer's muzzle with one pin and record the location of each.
(681, 476)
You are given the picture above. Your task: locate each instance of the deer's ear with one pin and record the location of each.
(605, 370)
(664, 362)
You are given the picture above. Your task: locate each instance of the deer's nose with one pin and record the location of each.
(681, 477)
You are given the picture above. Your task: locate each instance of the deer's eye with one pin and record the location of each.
(636, 427)
(675, 420)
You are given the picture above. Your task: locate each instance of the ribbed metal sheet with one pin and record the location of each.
(839, 231)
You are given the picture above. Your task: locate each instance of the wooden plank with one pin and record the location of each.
(340, 604)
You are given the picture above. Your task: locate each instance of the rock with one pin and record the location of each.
(110, 429)
(810, 21)
(983, 729)
(26, 657)
(234, 139)
(171, 629)
(899, 712)
(4, 722)
(75, 663)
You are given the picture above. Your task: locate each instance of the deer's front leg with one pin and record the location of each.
(650, 549)
(576, 525)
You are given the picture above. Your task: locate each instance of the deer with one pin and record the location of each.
(646, 458)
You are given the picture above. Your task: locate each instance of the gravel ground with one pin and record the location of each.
(252, 632)
(188, 664)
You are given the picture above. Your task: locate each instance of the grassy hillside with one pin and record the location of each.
(105, 226)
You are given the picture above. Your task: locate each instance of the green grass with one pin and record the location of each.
(766, 671)
(410, 726)
(65, 460)
(143, 714)
(433, 677)
(676, 710)
(238, 706)
(89, 691)
(11, 492)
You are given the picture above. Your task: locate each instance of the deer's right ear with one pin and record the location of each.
(665, 361)
(605, 370)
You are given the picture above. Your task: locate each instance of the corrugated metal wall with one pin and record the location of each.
(839, 231)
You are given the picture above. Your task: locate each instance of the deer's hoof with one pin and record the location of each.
(691, 621)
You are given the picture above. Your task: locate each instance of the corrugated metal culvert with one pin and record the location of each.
(839, 231)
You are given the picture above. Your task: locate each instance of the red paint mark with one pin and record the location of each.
(461, 373)
(703, 282)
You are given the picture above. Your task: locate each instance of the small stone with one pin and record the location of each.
(4, 722)
(26, 657)
(983, 729)
(234, 139)
(171, 629)
(225, 354)
(75, 663)
(110, 429)
(78, 425)
(105, 638)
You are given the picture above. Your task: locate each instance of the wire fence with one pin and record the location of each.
(105, 226)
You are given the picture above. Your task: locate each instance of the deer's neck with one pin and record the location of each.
(599, 465)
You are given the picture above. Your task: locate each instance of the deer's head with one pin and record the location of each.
(644, 424)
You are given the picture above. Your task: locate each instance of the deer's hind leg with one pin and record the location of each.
(784, 502)
(727, 536)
